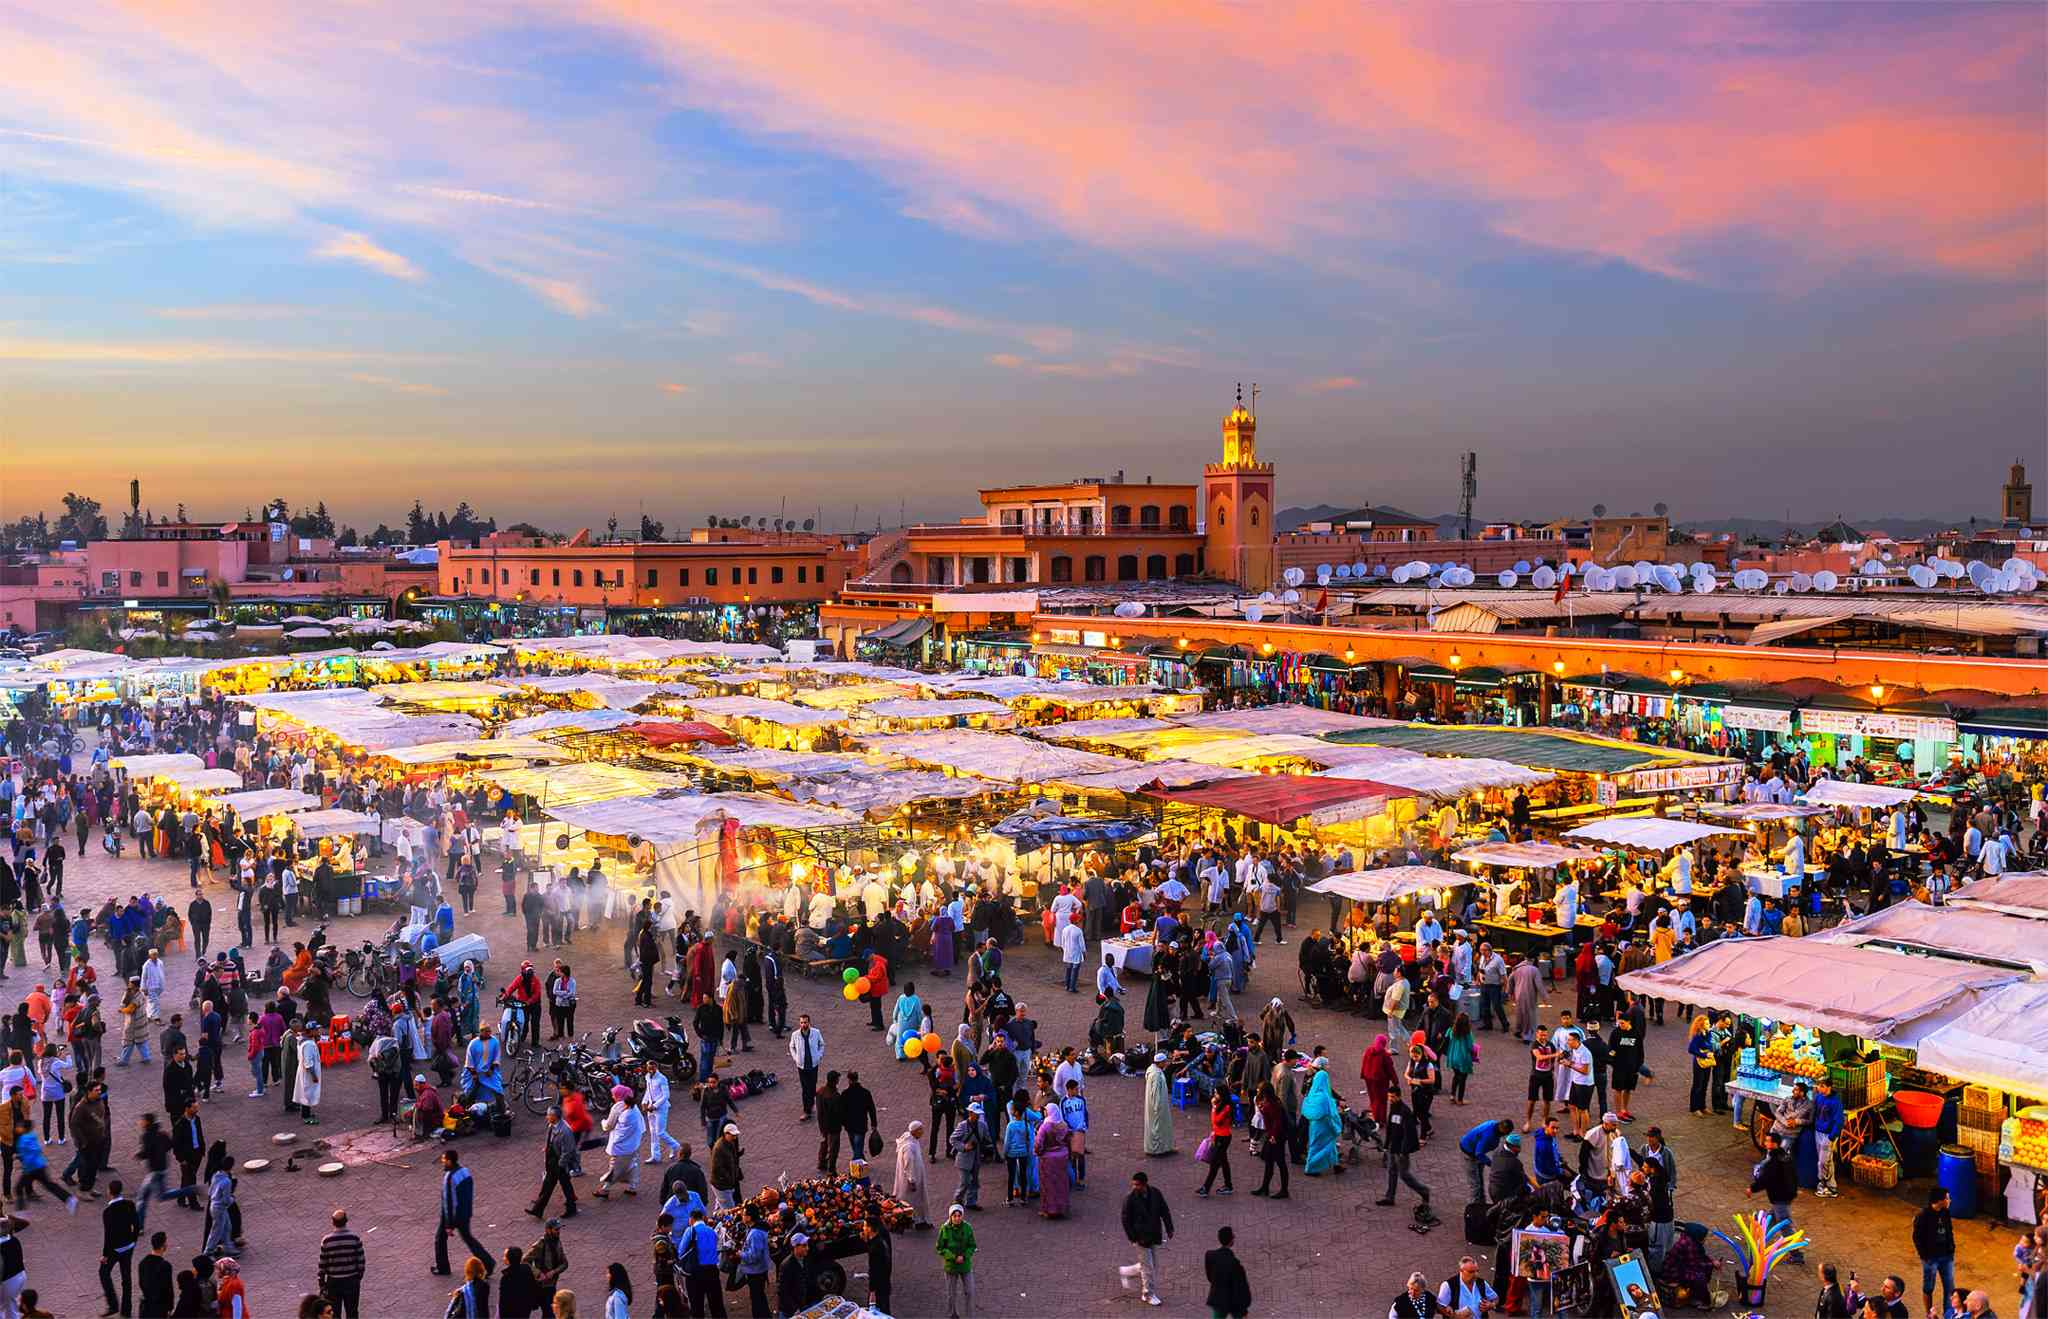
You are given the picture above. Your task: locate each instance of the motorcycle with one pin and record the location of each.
(656, 1044)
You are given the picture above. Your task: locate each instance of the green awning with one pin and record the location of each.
(1222, 654)
(1324, 663)
(1535, 750)
(1431, 673)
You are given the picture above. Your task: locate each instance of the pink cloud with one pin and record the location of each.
(1644, 135)
(1330, 384)
(674, 387)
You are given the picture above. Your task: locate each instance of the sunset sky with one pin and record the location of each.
(564, 261)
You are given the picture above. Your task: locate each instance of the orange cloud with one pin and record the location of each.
(674, 387)
(1329, 384)
(366, 251)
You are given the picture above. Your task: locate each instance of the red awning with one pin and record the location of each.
(1276, 798)
(668, 733)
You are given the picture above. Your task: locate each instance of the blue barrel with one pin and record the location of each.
(1918, 1147)
(1956, 1172)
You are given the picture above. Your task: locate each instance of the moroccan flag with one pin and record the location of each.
(1323, 601)
(1564, 583)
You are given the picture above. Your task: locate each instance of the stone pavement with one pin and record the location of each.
(1326, 1251)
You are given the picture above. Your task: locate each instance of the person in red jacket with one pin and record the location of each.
(1222, 1123)
(877, 976)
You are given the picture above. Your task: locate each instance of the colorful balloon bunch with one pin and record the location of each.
(856, 985)
(1760, 1242)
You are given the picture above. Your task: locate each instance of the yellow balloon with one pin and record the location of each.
(913, 1046)
(852, 992)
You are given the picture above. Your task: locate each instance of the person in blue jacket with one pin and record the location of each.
(1828, 1117)
(1477, 1145)
(1549, 1160)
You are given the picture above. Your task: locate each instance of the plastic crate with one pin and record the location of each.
(1980, 1119)
(1882, 1174)
(1984, 1097)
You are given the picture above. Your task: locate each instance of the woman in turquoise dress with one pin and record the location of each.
(1319, 1111)
(468, 987)
(909, 1020)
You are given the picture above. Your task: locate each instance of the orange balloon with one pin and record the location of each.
(932, 1042)
(863, 985)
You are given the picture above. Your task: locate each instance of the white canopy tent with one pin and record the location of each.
(1244, 750)
(266, 801)
(721, 710)
(1648, 833)
(569, 721)
(1524, 856)
(1301, 719)
(1830, 986)
(613, 693)
(870, 790)
(1870, 796)
(1957, 931)
(770, 763)
(1390, 883)
(2017, 893)
(564, 785)
(2001, 1042)
(330, 823)
(1091, 730)
(1438, 777)
(955, 708)
(144, 767)
(480, 750)
(201, 779)
(1166, 773)
(1001, 756)
(1750, 811)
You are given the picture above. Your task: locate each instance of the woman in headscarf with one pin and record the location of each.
(911, 1180)
(468, 990)
(909, 1018)
(1158, 1109)
(964, 1052)
(750, 977)
(703, 973)
(1159, 995)
(1319, 1111)
(1052, 1146)
(944, 927)
(1376, 1069)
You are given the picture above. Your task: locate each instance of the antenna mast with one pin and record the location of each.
(1468, 487)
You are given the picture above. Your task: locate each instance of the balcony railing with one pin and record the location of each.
(1051, 529)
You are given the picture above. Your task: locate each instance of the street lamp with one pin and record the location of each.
(1456, 659)
(1877, 692)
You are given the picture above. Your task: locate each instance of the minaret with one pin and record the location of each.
(2019, 498)
(1237, 504)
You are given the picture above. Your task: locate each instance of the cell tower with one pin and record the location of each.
(1468, 487)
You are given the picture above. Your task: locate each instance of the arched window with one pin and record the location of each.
(1148, 516)
(1127, 567)
(1177, 517)
(1155, 567)
(1183, 565)
(1255, 515)
(1062, 568)
(1093, 568)
(1120, 515)
(901, 572)
(1222, 514)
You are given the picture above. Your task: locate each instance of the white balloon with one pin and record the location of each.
(1507, 577)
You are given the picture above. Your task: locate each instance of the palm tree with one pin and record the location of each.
(222, 597)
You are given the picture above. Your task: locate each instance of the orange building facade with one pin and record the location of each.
(648, 575)
(1077, 531)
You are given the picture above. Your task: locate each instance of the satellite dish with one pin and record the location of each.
(1751, 579)
(1644, 569)
(1322, 570)
(1599, 510)
(1419, 568)
(1358, 568)
(1624, 576)
(1379, 570)
(1507, 577)
(288, 573)
(1341, 572)
(1323, 577)
(1700, 570)
(1521, 565)
(1253, 614)
(1873, 567)
(1660, 508)
(1705, 584)
(1983, 577)
(1129, 609)
(2016, 565)
(1800, 582)
(1543, 578)
(1668, 578)
(1292, 576)
(1825, 581)
(1292, 598)
(1781, 587)
(1922, 576)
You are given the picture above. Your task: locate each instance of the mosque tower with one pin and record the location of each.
(1237, 503)
(2019, 498)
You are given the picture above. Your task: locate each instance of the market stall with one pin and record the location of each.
(1520, 923)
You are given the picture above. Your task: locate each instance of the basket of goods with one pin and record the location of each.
(829, 1211)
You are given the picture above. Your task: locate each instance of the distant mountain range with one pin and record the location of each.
(1770, 529)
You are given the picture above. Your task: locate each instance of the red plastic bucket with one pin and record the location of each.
(1919, 1108)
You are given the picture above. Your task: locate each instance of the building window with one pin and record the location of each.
(1221, 515)
(650, 576)
(1120, 516)
(504, 576)
(1177, 517)
(1020, 570)
(1155, 567)
(554, 576)
(800, 571)
(682, 577)
(453, 585)
(1062, 568)
(576, 577)
(901, 572)
(1127, 567)
(1183, 565)
(711, 576)
(469, 574)
(1148, 516)
(775, 575)
(163, 579)
(1255, 515)
(135, 579)
(533, 577)
(1092, 568)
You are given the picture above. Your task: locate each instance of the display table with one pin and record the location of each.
(1521, 937)
(1777, 884)
(1129, 955)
